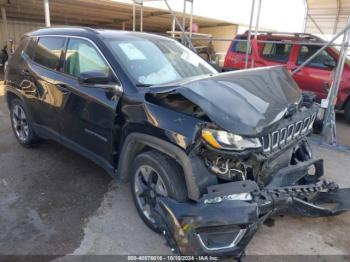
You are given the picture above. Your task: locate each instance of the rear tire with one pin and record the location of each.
(146, 167)
(21, 123)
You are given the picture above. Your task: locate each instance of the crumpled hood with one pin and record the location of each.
(242, 102)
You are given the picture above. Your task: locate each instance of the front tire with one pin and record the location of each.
(21, 124)
(155, 174)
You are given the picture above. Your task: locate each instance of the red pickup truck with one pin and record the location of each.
(282, 49)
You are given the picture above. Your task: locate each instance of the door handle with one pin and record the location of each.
(63, 88)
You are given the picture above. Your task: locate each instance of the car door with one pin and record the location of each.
(315, 76)
(235, 57)
(39, 72)
(88, 113)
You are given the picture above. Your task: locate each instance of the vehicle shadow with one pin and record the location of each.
(343, 128)
(47, 194)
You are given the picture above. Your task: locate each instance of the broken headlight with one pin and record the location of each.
(223, 140)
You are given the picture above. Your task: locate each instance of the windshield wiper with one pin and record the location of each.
(143, 85)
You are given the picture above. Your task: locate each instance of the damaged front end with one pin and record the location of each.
(250, 160)
(225, 219)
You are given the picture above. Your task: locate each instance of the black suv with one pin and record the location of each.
(209, 156)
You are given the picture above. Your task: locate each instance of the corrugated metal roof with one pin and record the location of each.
(326, 17)
(99, 14)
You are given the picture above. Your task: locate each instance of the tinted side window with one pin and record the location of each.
(82, 57)
(277, 52)
(240, 46)
(308, 50)
(48, 51)
(29, 49)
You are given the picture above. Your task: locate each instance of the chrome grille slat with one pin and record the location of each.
(284, 135)
(312, 120)
(266, 143)
(297, 129)
(290, 132)
(306, 123)
(275, 142)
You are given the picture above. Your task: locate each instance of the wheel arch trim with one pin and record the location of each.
(9, 93)
(130, 150)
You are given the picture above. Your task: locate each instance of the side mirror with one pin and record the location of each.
(93, 78)
(330, 63)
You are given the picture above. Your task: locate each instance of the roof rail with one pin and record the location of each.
(90, 29)
(298, 35)
(93, 30)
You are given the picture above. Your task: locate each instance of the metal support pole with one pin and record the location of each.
(47, 13)
(123, 25)
(141, 16)
(257, 21)
(249, 35)
(321, 44)
(180, 26)
(256, 29)
(183, 22)
(315, 23)
(306, 8)
(6, 32)
(191, 18)
(337, 18)
(173, 27)
(133, 16)
(321, 49)
(329, 120)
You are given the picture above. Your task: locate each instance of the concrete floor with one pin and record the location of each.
(55, 202)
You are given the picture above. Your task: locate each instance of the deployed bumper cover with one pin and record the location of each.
(223, 221)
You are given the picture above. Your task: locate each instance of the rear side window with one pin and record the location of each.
(277, 52)
(308, 50)
(240, 46)
(48, 51)
(82, 57)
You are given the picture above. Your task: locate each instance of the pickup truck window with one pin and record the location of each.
(82, 57)
(48, 51)
(277, 52)
(306, 51)
(240, 46)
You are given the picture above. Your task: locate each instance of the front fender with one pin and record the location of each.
(197, 177)
(179, 128)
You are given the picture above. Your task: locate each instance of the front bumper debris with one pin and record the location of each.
(225, 219)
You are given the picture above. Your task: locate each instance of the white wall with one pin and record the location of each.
(223, 32)
(16, 29)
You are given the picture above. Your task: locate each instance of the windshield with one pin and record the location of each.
(151, 62)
